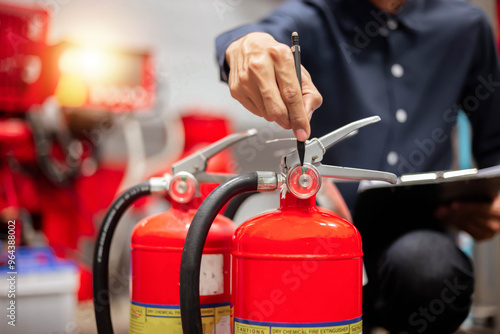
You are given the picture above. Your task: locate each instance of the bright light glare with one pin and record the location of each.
(90, 64)
(68, 61)
(419, 177)
(462, 172)
(93, 61)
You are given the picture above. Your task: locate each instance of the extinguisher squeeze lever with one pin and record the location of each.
(316, 148)
(196, 163)
(193, 166)
(183, 183)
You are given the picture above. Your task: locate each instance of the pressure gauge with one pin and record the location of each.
(303, 181)
(183, 187)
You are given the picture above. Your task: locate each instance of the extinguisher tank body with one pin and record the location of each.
(157, 244)
(296, 270)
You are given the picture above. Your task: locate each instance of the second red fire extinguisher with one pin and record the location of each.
(157, 244)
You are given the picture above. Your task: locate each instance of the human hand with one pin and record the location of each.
(480, 219)
(262, 78)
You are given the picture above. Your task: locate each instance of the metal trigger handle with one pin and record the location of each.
(316, 147)
(189, 172)
(346, 173)
(197, 162)
(342, 133)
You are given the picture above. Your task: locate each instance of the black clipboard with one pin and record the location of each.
(428, 190)
(383, 212)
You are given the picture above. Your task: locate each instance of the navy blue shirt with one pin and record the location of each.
(415, 70)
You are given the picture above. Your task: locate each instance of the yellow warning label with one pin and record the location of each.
(148, 320)
(163, 312)
(207, 311)
(208, 325)
(314, 330)
(137, 314)
(250, 329)
(222, 312)
(357, 328)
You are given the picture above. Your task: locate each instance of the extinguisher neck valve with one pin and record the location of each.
(315, 151)
(160, 185)
(292, 202)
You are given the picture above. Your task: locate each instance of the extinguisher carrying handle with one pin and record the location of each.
(195, 240)
(189, 172)
(196, 163)
(356, 174)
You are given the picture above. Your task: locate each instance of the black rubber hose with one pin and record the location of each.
(235, 204)
(101, 254)
(193, 247)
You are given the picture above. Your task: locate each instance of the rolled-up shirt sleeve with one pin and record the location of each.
(290, 16)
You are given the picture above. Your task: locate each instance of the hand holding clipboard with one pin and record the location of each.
(467, 199)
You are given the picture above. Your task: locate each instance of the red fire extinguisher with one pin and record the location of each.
(294, 270)
(157, 244)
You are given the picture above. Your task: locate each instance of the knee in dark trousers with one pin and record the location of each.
(425, 284)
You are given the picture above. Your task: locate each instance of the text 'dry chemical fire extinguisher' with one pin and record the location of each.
(298, 268)
(157, 244)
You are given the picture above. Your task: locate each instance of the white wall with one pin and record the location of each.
(181, 35)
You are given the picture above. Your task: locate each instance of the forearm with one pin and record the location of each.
(292, 15)
(223, 41)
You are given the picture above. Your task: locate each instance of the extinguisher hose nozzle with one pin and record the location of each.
(193, 247)
(101, 254)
